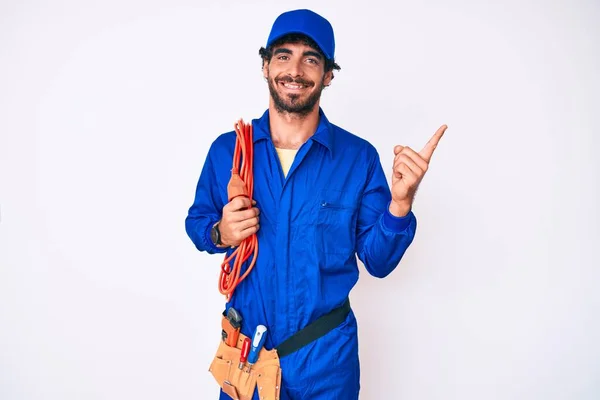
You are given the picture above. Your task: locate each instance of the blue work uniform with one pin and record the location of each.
(330, 208)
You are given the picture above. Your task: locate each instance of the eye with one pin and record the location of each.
(312, 61)
(282, 57)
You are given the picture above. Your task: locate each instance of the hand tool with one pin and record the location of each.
(258, 340)
(231, 326)
(245, 351)
(235, 317)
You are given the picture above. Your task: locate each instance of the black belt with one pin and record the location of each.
(314, 330)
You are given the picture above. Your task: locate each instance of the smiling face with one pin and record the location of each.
(296, 76)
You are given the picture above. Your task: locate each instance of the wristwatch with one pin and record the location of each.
(215, 235)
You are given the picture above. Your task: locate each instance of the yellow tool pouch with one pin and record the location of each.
(239, 384)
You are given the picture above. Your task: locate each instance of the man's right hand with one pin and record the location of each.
(239, 221)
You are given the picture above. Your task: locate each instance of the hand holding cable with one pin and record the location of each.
(242, 218)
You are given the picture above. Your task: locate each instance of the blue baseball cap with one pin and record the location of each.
(306, 22)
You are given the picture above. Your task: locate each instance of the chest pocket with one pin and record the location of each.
(336, 223)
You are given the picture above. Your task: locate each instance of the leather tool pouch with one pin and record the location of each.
(240, 384)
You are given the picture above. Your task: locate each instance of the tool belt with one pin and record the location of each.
(240, 384)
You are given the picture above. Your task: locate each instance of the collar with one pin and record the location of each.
(323, 135)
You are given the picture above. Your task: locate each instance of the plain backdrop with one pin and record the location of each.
(107, 110)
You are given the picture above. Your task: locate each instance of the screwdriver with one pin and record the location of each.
(245, 351)
(260, 334)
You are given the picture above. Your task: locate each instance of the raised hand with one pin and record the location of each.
(409, 169)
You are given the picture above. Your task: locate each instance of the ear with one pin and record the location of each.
(328, 78)
(265, 69)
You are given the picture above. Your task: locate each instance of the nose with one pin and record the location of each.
(295, 69)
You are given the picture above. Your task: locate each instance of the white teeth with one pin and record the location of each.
(289, 86)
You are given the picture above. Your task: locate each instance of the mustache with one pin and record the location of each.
(300, 81)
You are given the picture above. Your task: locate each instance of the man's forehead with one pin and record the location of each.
(296, 46)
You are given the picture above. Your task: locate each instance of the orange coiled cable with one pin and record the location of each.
(240, 184)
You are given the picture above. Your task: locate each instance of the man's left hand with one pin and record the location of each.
(409, 169)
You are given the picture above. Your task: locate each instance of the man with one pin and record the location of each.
(321, 199)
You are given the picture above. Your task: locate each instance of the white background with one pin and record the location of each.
(107, 110)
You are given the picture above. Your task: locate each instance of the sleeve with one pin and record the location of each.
(382, 238)
(207, 207)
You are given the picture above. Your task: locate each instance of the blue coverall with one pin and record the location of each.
(331, 207)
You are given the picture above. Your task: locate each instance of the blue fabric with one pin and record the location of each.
(332, 207)
(306, 22)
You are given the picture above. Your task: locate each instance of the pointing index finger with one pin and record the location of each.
(427, 151)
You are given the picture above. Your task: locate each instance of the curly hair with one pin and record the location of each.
(267, 53)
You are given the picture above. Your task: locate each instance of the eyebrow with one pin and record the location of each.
(279, 51)
(306, 53)
(313, 53)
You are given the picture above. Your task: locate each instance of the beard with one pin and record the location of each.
(292, 103)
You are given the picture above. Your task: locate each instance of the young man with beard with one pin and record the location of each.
(322, 199)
